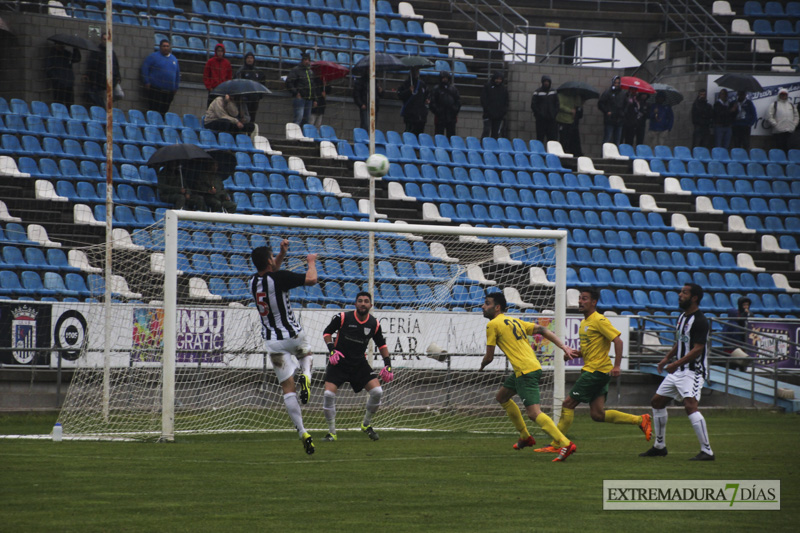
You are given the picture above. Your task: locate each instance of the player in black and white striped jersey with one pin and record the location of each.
(687, 374)
(283, 335)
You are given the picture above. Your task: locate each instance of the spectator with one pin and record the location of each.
(782, 118)
(702, 119)
(213, 190)
(445, 105)
(172, 188)
(228, 114)
(734, 333)
(630, 117)
(250, 72)
(661, 120)
(570, 111)
(302, 83)
(746, 118)
(217, 70)
(361, 99)
(96, 74)
(544, 104)
(724, 113)
(414, 94)
(612, 105)
(318, 111)
(58, 69)
(161, 77)
(494, 99)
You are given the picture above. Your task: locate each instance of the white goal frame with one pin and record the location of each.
(172, 217)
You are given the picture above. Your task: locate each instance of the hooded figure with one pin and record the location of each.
(361, 99)
(634, 123)
(415, 97)
(494, 99)
(544, 104)
(702, 120)
(746, 118)
(445, 105)
(661, 120)
(612, 105)
(96, 74)
(782, 117)
(725, 111)
(304, 86)
(58, 68)
(217, 70)
(250, 72)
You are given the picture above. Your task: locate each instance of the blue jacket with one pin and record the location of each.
(661, 117)
(161, 72)
(747, 114)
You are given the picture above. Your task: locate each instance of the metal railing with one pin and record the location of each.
(699, 27)
(497, 17)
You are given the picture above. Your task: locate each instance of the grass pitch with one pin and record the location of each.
(404, 482)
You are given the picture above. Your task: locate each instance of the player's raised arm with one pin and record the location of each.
(311, 273)
(282, 254)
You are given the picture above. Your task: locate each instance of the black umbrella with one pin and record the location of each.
(416, 62)
(674, 97)
(74, 41)
(239, 87)
(580, 88)
(739, 83)
(226, 161)
(383, 63)
(177, 152)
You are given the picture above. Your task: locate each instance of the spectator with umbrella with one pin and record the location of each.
(96, 74)
(303, 85)
(250, 72)
(725, 111)
(58, 69)
(415, 97)
(661, 120)
(746, 118)
(361, 99)
(634, 122)
(782, 118)
(612, 105)
(544, 104)
(445, 105)
(494, 100)
(173, 190)
(702, 120)
(226, 113)
(570, 111)
(217, 70)
(161, 76)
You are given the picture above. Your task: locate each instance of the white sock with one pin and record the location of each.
(329, 408)
(373, 402)
(660, 426)
(699, 426)
(305, 366)
(293, 408)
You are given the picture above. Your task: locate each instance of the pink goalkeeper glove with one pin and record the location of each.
(335, 356)
(386, 374)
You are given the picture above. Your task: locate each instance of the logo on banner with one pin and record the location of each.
(714, 494)
(70, 332)
(23, 333)
(200, 335)
(148, 334)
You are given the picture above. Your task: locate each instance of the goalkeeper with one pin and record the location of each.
(511, 335)
(347, 361)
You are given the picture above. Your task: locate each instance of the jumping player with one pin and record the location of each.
(348, 362)
(283, 335)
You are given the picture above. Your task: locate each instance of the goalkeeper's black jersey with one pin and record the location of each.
(352, 335)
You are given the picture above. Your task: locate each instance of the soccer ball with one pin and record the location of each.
(377, 165)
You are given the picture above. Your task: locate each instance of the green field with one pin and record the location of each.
(404, 482)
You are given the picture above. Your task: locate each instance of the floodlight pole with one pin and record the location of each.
(109, 212)
(371, 262)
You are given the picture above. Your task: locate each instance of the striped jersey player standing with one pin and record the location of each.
(511, 335)
(686, 375)
(347, 362)
(283, 335)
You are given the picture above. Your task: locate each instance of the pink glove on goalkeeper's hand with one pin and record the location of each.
(335, 356)
(386, 374)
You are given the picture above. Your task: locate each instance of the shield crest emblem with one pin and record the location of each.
(367, 331)
(23, 334)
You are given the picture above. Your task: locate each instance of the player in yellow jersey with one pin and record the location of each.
(596, 336)
(511, 335)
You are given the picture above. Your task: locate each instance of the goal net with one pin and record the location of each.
(180, 349)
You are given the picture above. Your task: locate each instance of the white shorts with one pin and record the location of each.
(682, 384)
(284, 354)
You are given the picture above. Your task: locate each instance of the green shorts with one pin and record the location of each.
(526, 386)
(589, 386)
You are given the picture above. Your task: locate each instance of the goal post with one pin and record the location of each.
(196, 362)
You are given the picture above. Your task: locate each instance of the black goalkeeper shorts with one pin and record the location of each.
(358, 374)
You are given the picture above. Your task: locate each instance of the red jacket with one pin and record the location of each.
(217, 70)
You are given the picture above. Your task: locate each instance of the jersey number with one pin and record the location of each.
(513, 324)
(263, 308)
